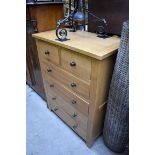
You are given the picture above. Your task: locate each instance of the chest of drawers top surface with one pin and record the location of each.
(83, 42)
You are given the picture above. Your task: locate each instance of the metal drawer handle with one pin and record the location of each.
(47, 52)
(49, 70)
(74, 115)
(73, 102)
(75, 126)
(73, 84)
(54, 98)
(72, 63)
(55, 109)
(51, 85)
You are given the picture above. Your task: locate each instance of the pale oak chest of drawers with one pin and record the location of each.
(76, 75)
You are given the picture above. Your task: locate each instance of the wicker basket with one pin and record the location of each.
(115, 131)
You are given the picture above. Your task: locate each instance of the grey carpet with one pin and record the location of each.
(46, 134)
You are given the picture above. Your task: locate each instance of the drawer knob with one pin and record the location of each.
(51, 85)
(54, 98)
(55, 109)
(73, 102)
(74, 115)
(72, 63)
(47, 52)
(49, 70)
(75, 126)
(73, 84)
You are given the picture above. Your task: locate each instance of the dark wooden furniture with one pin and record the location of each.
(114, 11)
(40, 16)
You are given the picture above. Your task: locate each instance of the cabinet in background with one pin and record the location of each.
(114, 11)
(40, 16)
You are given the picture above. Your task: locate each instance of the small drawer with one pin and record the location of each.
(56, 90)
(48, 52)
(67, 119)
(70, 81)
(76, 64)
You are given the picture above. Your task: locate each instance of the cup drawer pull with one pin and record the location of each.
(47, 52)
(72, 63)
(74, 115)
(73, 84)
(51, 85)
(49, 70)
(55, 109)
(75, 126)
(54, 98)
(74, 102)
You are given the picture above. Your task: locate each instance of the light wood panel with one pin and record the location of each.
(84, 42)
(77, 64)
(49, 52)
(68, 96)
(55, 89)
(67, 119)
(82, 87)
(101, 77)
(71, 111)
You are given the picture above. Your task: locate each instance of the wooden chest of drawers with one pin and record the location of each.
(76, 75)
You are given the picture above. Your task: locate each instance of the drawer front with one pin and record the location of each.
(77, 64)
(68, 96)
(48, 52)
(69, 102)
(78, 117)
(68, 80)
(67, 119)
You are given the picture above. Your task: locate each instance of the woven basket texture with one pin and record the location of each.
(116, 125)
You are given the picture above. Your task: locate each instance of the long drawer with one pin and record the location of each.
(68, 96)
(58, 98)
(68, 80)
(79, 118)
(66, 118)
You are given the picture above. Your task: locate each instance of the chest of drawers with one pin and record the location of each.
(76, 76)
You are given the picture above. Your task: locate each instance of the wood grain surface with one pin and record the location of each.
(84, 42)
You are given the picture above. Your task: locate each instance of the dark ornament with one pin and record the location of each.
(76, 17)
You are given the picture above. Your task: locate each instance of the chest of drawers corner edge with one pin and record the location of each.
(77, 84)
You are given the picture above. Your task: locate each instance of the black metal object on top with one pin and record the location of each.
(76, 17)
(43, 2)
